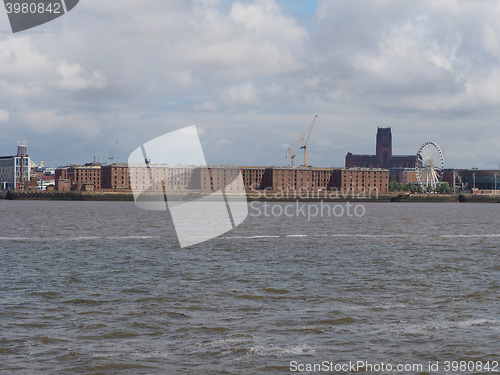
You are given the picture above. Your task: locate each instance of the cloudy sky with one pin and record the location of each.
(251, 74)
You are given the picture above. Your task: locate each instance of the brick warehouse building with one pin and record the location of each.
(122, 177)
(383, 157)
(157, 177)
(301, 179)
(363, 180)
(79, 177)
(115, 177)
(403, 175)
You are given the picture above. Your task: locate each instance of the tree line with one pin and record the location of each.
(442, 187)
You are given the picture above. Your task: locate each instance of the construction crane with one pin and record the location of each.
(304, 146)
(111, 155)
(292, 153)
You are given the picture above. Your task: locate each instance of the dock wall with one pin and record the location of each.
(267, 196)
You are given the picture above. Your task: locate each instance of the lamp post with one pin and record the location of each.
(473, 180)
(495, 183)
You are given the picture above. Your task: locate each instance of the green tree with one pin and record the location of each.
(415, 188)
(443, 188)
(394, 186)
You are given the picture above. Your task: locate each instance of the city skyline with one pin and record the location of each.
(251, 75)
(403, 161)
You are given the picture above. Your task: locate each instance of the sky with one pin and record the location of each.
(251, 75)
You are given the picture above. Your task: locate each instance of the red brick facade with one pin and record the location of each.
(363, 180)
(122, 177)
(115, 177)
(403, 175)
(302, 179)
(80, 175)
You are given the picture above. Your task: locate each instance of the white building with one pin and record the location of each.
(10, 168)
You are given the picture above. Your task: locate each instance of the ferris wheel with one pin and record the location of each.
(429, 166)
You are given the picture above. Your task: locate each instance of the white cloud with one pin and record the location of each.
(4, 115)
(26, 70)
(264, 20)
(485, 91)
(253, 39)
(20, 60)
(240, 94)
(71, 77)
(250, 72)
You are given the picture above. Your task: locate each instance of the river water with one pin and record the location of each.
(104, 288)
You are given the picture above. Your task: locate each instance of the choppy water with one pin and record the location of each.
(103, 287)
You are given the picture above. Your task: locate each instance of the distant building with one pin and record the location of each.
(157, 177)
(256, 178)
(15, 171)
(403, 175)
(79, 176)
(208, 179)
(151, 177)
(115, 177)
(301, 179)
(481, 179)
(45, 170)
(383, 157)
(451, 178)
(63, 184)
(359, 180)
(218, 178)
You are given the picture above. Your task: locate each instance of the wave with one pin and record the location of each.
(324, 235)
(360, 235)
(133, 238)
(251, 237)
(78, 238)
(15, 239)
(470, 235)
